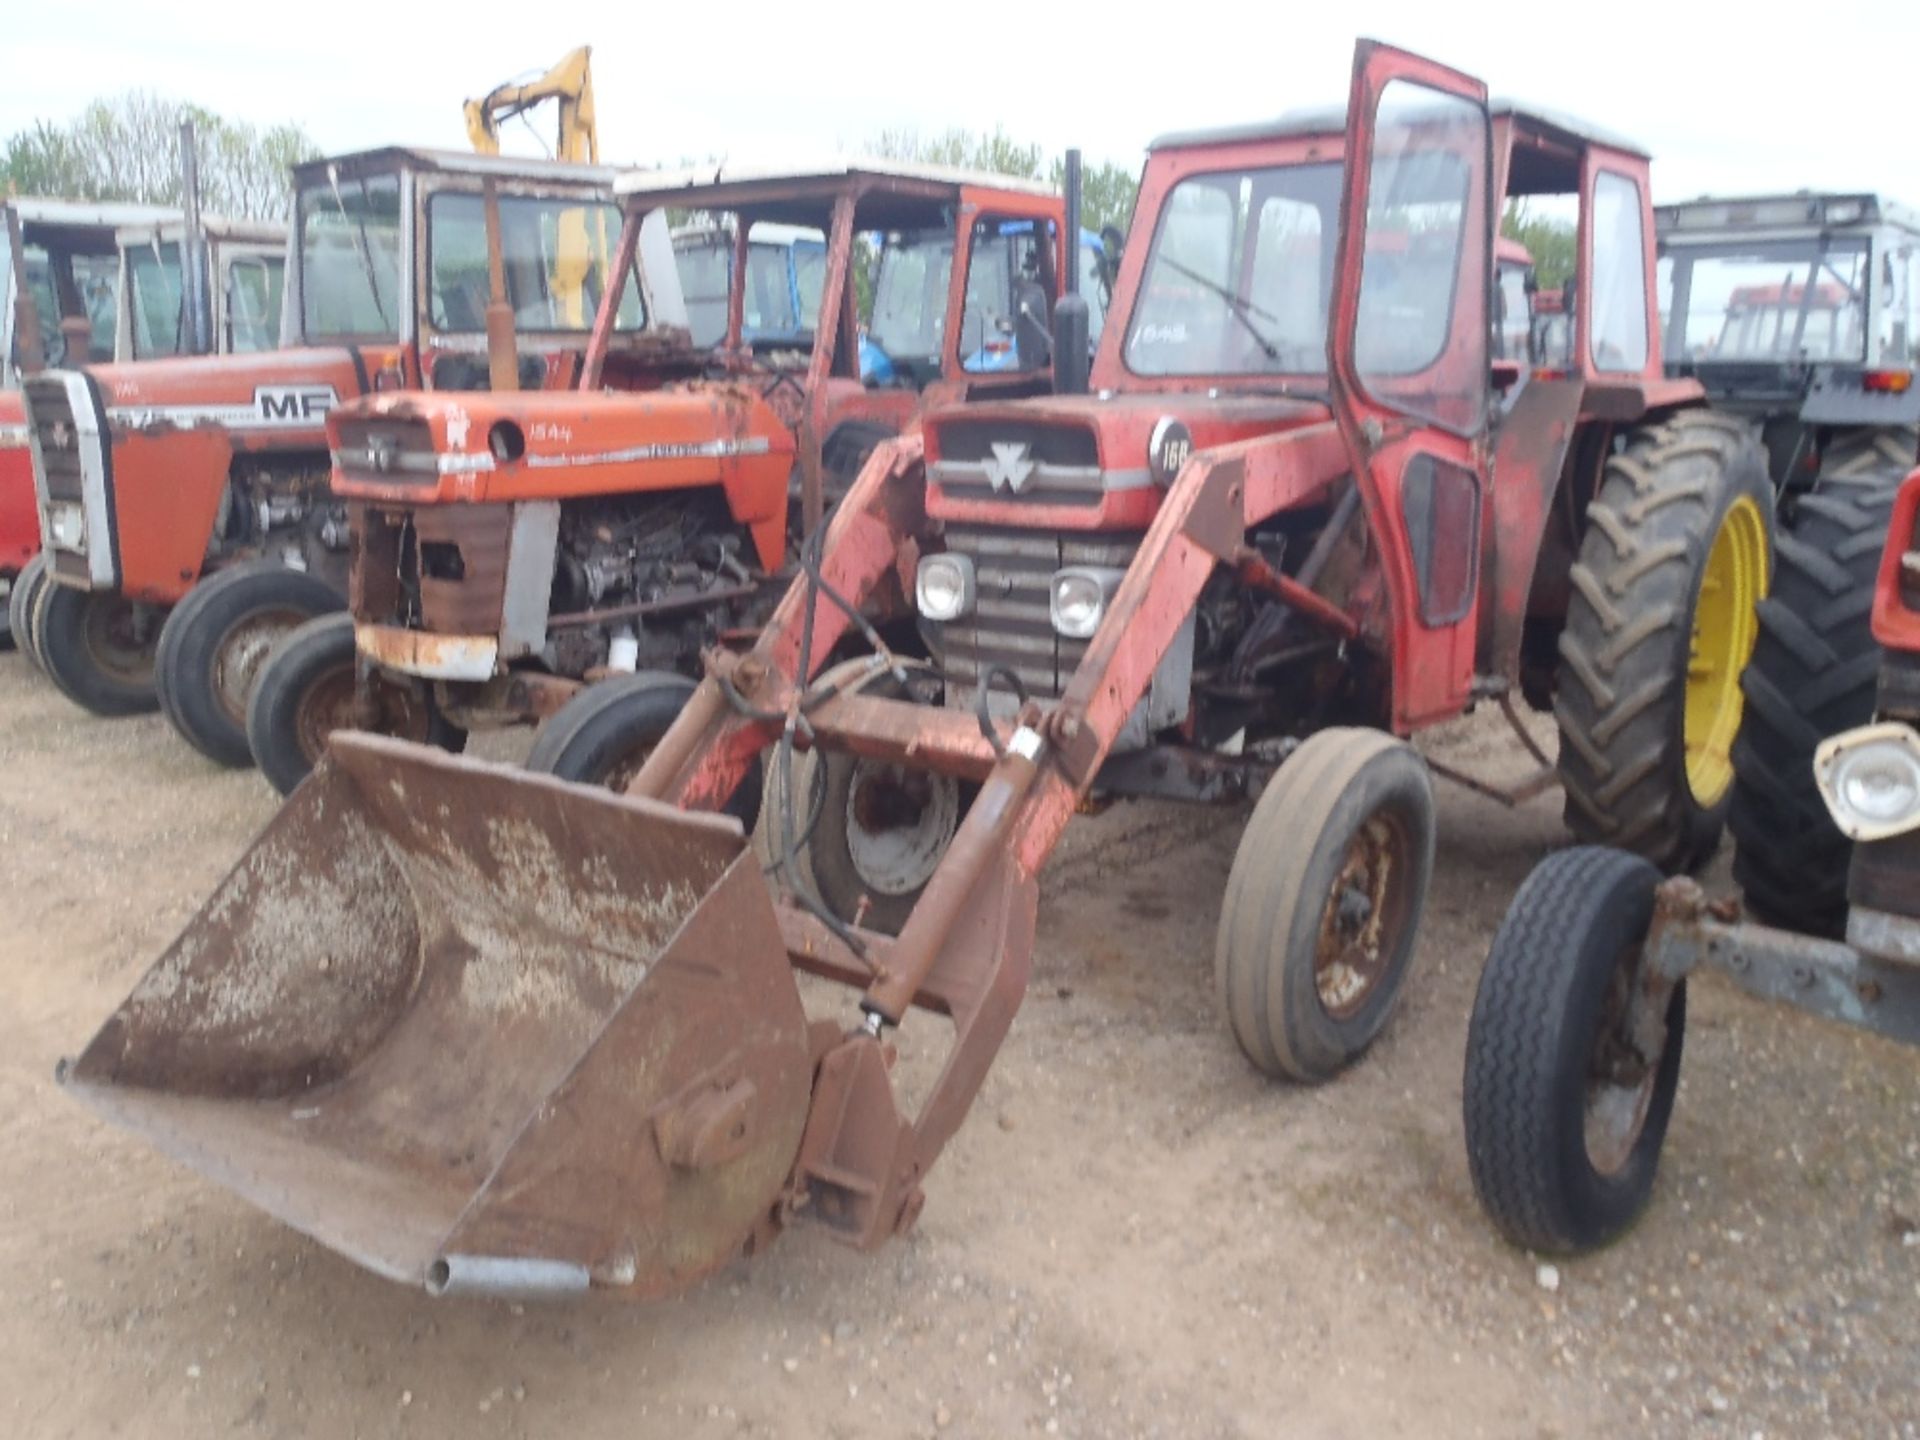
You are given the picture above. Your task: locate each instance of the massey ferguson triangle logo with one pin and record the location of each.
(1009, 466)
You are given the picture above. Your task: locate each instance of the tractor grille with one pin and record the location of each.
(1009, 625)
(68, 429)
(1051, 464)
(51, 419)
(386, 452)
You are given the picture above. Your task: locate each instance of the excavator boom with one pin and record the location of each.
(569, 83)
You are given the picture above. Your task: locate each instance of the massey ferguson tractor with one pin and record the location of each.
(184, 502)
(488, 1031)
(1573, 1052)
(83, 283)
(511, 549)
(1802, 312)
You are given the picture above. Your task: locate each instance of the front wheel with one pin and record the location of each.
(308, 689)
(28, 586)
(1323, 903)
(604, 734)
(216, 642)
(1566, 1110)
(97, 646)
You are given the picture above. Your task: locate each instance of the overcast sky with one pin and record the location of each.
(1727, 97)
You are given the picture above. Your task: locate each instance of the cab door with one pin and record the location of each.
(1408, 357)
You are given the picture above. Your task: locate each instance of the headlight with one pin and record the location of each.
(66, 525)
(943, 587)
(1077, 599)
(1870, 779)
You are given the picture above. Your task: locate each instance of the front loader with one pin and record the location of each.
(557, 1043)
(566, 558)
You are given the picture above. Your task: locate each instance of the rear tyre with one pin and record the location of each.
(215, 643)
(1565, 1118)
(98, 647)
(1661, 624)
(1323, 903)
(308, 689)
(1814, 672)
(20, 602)
(604, 734)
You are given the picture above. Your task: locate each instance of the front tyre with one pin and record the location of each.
(97, 646)
(309, 688)
(21, 600)
(216, 642)
(1323, 903)
(1565, 1113)
(1677, 553)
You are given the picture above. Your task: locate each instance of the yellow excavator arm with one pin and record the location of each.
(570, 83)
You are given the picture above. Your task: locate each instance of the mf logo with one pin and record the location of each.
(293, 404)
(1009, 466)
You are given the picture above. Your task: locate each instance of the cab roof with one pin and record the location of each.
(1331, 120)
(1709, 216)
(892, 193)
(457, 162)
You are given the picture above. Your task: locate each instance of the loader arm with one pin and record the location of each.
(570, 83)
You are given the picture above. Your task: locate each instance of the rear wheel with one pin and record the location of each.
(98, 647)
(308, 688)
(21, 599)
(216, 641)
(604, 734)
(1323, 903)
(1814, 673)
(1660, 626)
(1565, 1110)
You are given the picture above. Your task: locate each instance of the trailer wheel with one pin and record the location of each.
(1660, 627)
(20, 602)
(97, 647)
(216, 642)
(1814, 673)
(1565, 1117)
(604, 734)
(1323, 903)
(308, 688)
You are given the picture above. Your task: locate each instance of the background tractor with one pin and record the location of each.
(1803, 313)
(86, 282)
(1574, 1049)
(564, 1047)
(512, 548)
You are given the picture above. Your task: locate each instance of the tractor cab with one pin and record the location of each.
(64, 256)
(1801, 311)
(392, 261)
(248, 263)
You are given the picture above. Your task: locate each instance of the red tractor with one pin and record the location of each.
(510, 550)
(85, 283)
(1573, 1053)
(558, 1041)
(185, 501)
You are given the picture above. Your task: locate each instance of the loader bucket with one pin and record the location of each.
(477, 1029)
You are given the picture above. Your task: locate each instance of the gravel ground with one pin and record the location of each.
(1134, 1234)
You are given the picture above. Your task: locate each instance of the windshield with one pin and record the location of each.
(556, 255)
(350, 258)
(785, 280)
(1240, 275)
(910, 294)
(1777, 300)
(254, 285)
(159, 307)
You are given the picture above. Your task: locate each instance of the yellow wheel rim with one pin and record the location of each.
(1724, 626)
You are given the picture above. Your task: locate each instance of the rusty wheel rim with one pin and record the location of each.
(333, 702)
(1620, 1080)
(899, 823)
(241, 653)
(121, 638)
(1364, 920)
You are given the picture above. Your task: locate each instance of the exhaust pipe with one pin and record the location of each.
(505, 1277)
(1070, 319)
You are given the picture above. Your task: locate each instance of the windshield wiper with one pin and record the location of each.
(1243, 309)
(365, 247)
